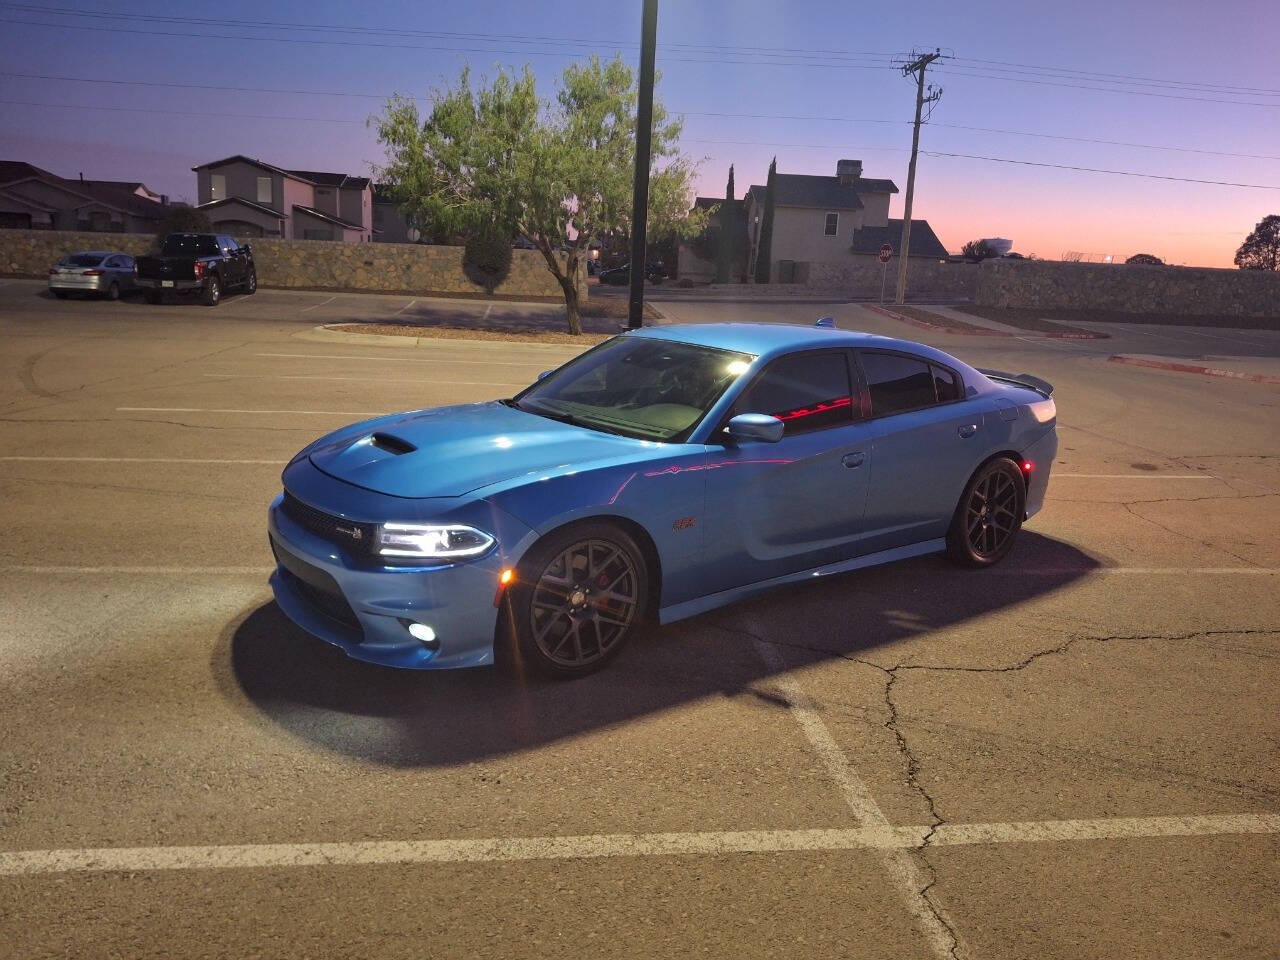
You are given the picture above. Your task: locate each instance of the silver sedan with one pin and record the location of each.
(93, 271)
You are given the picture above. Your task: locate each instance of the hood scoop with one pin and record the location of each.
(392, 444)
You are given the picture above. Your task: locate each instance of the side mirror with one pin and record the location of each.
(755, 426)
(247, 248)
(544, 374)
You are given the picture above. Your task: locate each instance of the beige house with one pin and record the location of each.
(824, 222)
(32, 198)
(248, 198)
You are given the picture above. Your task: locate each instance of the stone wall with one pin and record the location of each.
(1128, 288)
(310, 264)
(860, 276)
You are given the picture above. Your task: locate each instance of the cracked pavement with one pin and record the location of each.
(1122, 665)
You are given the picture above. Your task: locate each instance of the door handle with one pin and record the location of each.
(967, 430)
(853, 459)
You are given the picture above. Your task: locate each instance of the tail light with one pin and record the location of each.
(199, 269)
(52, 271)
(91, 273)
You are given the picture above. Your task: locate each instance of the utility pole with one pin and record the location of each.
(644, 138)
(917, 67)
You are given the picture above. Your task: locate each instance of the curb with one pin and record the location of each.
(926, 325)
(1193, 368)
(322, 334)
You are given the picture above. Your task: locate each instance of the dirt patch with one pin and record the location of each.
(1042, 319)
(931, 319)
(441, 332)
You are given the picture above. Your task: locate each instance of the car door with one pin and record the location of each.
(232, 272)
(928, 438)
(776, 508)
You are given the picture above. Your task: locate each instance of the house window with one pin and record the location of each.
(317, 234)
(832, 224)
(264, 189)
(217, 186)
(323, 193)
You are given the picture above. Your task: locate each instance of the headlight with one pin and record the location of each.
(431, 541)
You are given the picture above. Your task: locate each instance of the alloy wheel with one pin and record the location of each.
(991, 515)
(584, 602)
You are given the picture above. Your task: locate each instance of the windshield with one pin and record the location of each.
(189, 245)
(637, 387)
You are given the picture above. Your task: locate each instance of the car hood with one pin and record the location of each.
(452, 451)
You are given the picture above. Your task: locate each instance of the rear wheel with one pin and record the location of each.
(113, 291)
(60, 294)
(212, 292)
(989, 515)
(577, 598)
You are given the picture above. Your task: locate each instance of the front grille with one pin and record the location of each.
(316, 587)
(356, 537)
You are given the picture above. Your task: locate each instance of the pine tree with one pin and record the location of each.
(727, 222)
(764, 251)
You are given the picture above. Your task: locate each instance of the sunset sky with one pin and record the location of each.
(1200, 78)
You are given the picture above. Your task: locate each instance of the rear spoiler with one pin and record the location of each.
(1020, 380)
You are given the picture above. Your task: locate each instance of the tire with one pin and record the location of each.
(989, 514)
(113, 291)
(60, 294)
(251, 283)
(154, 296)
(212, 292)
(570, 629)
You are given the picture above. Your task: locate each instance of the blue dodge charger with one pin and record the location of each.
(661, 474)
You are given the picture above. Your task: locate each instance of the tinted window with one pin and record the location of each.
(946, 384)
(83, 260)
(808, 391)
(189, 245)
(897, 383)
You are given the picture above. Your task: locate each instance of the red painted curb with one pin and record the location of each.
(1193, 368)
(924, 324)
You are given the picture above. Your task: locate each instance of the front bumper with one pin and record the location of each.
(364, 608)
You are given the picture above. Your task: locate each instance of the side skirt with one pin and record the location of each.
(691, 608)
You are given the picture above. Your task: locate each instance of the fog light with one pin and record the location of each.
(420, 631)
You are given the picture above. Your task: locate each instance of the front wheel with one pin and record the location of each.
(989, 515)
(251, 282)
(212, 292)
(577, 597)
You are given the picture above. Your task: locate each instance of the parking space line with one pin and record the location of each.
(316, 305)
(1135, 476)
(131, 571)
(899, 863)
(334, 356)
(317, 413)
(404, 308)
(14, 459)
(431, 381)
(599, 846)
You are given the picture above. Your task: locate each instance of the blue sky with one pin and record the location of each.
(826, 60)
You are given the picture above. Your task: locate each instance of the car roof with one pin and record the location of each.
(765, 339)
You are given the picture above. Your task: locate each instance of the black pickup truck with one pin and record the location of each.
(206, 263)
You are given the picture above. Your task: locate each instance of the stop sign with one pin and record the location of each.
(886, 253)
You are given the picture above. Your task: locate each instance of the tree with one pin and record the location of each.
(764, 250)
(1146, 260)
(724, 246)
(1261, 249)
(975, 251)
(559, 172)
(182, 219)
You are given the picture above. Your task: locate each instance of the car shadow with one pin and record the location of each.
(311, 689)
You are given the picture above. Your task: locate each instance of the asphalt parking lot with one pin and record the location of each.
(1076, 754)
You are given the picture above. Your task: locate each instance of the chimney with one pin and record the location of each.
(848, 171)
(82, 176)
(164, 199)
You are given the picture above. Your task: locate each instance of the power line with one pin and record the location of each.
(188, 35)
(1085, 74)
(952, 71)
(178, 113)
(1124, 84)
(1118, 173)
(688, 113)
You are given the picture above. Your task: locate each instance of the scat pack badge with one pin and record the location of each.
(684, 523)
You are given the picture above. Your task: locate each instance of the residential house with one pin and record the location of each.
(389, 224)
(697, 258)
(249, 198)
(32, 198)
(822, 223)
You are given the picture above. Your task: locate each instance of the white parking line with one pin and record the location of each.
(130, 571)
(131, 460)
(317, 413)
(900, 864)
(511, 849)
(404, 308)
(334, 356)
(1135, 476)
(423, 380)
(315, 305)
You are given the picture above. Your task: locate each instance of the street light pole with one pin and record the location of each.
(644, 137)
